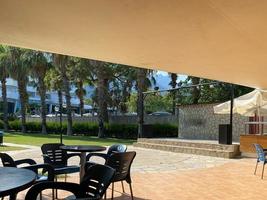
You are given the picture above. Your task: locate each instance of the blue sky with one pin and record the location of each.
(180, 76)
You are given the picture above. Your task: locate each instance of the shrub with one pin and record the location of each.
(125, 131)
(122, 130)
(33, 126)
(164, 130)
(15, 125)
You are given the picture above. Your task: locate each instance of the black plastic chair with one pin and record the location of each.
(116, 148)
(121, 162)
(58, 158)
(8, 161)
(93, 186)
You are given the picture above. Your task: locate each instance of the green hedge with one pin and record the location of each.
(127, 131)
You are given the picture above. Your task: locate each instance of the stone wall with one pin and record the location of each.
(199, 122)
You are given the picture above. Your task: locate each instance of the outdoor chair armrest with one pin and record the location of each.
(101, 155)
(25, 161)
(73, 154)
(46, 168)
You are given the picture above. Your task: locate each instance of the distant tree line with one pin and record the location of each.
(116, 86)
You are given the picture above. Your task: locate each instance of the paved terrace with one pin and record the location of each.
(162, 175)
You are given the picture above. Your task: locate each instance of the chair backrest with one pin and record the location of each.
(57, 156)
(260, 152)
(96, 180)
(121, 162)
(7, 161)
(117, 148)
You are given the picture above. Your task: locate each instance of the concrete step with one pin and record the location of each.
(189, 150)
(185, 143)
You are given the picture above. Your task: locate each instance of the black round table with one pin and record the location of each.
(14, 180)
(82, 149)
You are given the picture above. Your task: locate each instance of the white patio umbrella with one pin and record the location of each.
(249, 104)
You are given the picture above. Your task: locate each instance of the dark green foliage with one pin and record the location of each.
(165, 130)
(11, 117)
(1, 124)
(85, 128)
(125, 131)
(128, 131)
(15, 125)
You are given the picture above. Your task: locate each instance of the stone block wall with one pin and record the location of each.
(199, 122)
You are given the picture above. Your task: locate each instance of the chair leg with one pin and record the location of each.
(40, 196)
(112, 191)
(262, 170)
(256, 168)
(13, 197)
(105, 196)
(131, 190)
(122, 187)
(56, 189)
(53, 194)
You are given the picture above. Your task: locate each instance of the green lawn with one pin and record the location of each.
(39, 139)
(9, 148)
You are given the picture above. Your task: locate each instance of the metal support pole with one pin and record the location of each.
(141, 117)
(231, 110)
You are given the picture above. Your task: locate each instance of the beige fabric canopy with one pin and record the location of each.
(249, 104)
(217, 39)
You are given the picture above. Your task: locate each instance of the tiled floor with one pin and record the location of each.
(168, 176)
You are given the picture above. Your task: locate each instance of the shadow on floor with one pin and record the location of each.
(126, 197)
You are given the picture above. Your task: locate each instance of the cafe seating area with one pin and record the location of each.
(94, 178)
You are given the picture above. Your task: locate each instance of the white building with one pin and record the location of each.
(34, 98)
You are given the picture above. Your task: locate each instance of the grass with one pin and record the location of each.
(9, 148)
(39, 139)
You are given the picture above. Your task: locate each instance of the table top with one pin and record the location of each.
(14, 180)
(83, 148)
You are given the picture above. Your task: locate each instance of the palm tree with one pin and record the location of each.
(80, 72)
(173, 84)
(19, 71)
(4, 62)
(54, 82)
(61, 62)
(195, 90)
(141, 87)
(102, 94)
(39, 64)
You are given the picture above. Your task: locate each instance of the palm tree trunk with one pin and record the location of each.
(141, 76)
(23, 103)
(102, 99)
(5, 104)
(42, 92)
(195, 90)
(66, 89)
(60, 102)
(81, 94)
(173, 84)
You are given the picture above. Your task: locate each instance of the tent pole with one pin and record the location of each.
(231, 111)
